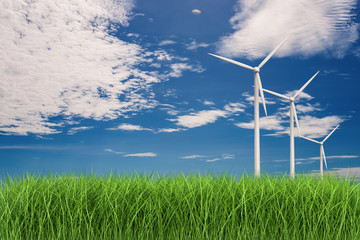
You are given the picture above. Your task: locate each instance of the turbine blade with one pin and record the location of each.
(307, 83)
(272, 53)
(261, 92)
(232, 61)
(330, 133)
(323, 152)
(309, 139)
(276, 94)
(296, 118)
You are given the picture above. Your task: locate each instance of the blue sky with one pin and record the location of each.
(129, 85)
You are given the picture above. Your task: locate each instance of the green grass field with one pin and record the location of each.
(190, 206)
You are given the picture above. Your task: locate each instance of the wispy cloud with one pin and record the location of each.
(74, 130)
(234, 107)
(193, 156)
(329, 157)
(112, 151)
(224, 156)
(130, 127)
(201, 157)
(268, 123)
(166, 42)
(205, 117)
(314, 127)
(32, 147)
(195, 45)
(227, 156)
(314, 27)
(199, 119)
(178, 68)
(147, 154)
(170, 130)
(213, 160)
(208, 103)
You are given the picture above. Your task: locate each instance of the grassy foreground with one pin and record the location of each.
(182, 207)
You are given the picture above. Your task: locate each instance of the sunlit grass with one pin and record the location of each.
(190, 206)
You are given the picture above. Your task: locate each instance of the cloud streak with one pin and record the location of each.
(130, 127)
(147, 154)
(313, 27)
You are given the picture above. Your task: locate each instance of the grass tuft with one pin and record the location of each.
(185, 206)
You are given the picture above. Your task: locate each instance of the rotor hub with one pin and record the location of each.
(256, 69)
(292, 99)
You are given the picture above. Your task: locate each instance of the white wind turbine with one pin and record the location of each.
(257, 87)
(292, 115)
(322, 152)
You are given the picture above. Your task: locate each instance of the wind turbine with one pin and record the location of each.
(292, 115)
(322, 152)
(257, 87)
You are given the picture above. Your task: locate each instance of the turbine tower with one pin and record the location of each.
(292, 115)
(257, 87)
(322, 152)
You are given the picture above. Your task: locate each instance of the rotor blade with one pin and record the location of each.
(272, 53)
(261, 92)
(330, 133)
(307, 83)
(323, 152)
(276, 94)
(296, 118)
(309, 139)
(232, 61)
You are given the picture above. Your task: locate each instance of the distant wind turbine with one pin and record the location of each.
(292, 115)
(257, 87)
(322, 152)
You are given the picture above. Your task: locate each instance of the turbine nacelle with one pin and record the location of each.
(256, 69)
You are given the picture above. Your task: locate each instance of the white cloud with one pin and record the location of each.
(207, 116)
(227, 156)
(314, 127)
(213, 160)
(208, 103)
(307, 108)
(135, 35)
(199, 119)
(60, 59)
(170, 130)
(194, 45)
(193, 156)
(147, 154)
(74, 130)
(314, 26)
(268, 123)
(166, 42)
(178, 68)
(112, 151)
(129, 127)
(234, 107)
